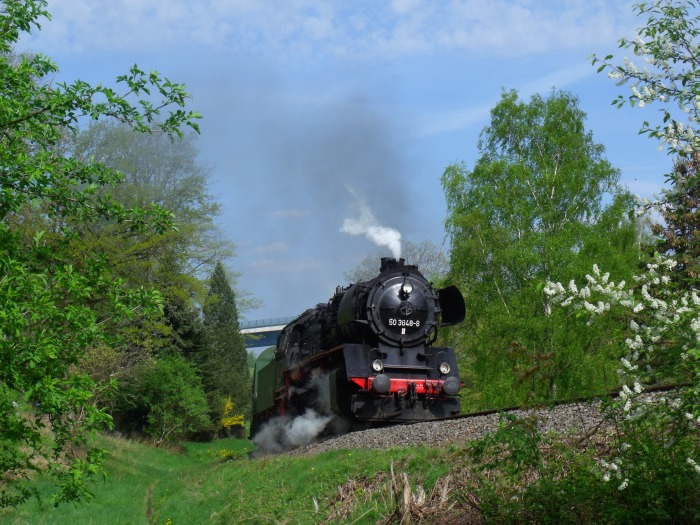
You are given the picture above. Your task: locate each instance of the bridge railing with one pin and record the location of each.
(261, 323)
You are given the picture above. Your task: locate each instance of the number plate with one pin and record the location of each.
(404, 323)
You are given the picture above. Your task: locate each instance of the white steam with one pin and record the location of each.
(283, 433)
(366, 224)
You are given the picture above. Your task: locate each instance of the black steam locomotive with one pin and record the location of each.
(366, 355)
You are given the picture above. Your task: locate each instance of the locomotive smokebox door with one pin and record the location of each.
(401, 310)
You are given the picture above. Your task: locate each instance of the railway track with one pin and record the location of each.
(579, 416)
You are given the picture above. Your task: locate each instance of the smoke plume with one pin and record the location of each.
(366, 224)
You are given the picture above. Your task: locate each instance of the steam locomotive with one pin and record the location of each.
(365, 356)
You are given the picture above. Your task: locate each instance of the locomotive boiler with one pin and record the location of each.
(365, 356)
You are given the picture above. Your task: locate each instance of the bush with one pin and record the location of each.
(164, 400)
(521, 476)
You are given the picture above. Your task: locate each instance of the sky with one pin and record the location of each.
(320, 116)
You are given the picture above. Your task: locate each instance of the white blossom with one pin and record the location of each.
(675, 320)
(693, 464)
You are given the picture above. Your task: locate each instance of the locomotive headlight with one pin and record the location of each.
(444, 368)
(377, 365)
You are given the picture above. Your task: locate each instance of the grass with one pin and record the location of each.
(218, 483)
(508, 476)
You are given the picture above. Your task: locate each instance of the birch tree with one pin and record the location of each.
(541, 198)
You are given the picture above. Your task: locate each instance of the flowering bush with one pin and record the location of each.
(667, 74)
(647, 469)
(663, 344)
(229, 419)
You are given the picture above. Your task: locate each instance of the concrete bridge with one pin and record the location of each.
(263, 332)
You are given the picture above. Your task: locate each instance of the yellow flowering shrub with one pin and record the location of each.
(229, 419)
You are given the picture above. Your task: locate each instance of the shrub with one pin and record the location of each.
(164, 399)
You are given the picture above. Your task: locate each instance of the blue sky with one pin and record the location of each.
(315, 110)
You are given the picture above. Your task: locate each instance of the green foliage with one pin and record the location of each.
(142, 480)
(680, 232)
(55, 303)
(155, 170)
(669, 79)
(670, 76)
(180, 261)
(522, 476)
(224, 360)
(665, 304)
(511, 476)
(661, 338)
(652, 453)
(164, 399)
(513, 447)
(540, 200)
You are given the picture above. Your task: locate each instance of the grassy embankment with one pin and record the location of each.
(218, 483)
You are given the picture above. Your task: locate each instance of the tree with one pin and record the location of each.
(178, 261)
(54, 305)
(533, 205)
(224, 360)
(680, 231)
(650, 465)
(429, 258)
(669, 79)
(668, 319)
(156, 170)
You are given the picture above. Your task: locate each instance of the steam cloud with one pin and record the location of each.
(366, 224)
(284, 433)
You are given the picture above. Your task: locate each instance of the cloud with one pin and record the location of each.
(515, 28)
(304, 28)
